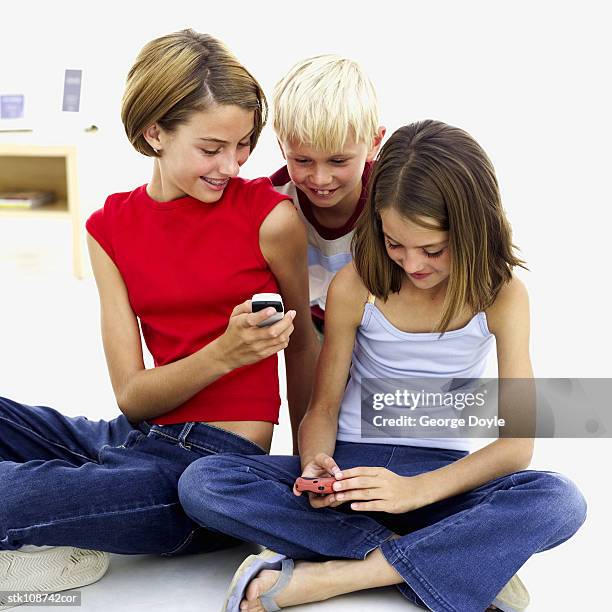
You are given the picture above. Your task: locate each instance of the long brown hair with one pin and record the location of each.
(182, 73)
(438, 177)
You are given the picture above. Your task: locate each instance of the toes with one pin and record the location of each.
(260, 584)
(253, 590)
(250, 606)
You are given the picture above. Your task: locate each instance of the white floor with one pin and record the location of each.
(51, 354)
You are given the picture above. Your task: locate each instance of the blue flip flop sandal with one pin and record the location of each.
(250, 567)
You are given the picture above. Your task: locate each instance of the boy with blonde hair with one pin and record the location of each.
(326, 122)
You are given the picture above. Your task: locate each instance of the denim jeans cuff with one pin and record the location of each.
(372, 540)
(417, 584)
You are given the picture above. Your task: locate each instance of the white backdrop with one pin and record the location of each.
(529, 80)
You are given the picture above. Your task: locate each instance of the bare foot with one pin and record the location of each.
(309, 583)
(319, 581)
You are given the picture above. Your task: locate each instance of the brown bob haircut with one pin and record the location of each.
(182, 73)
(438, 177)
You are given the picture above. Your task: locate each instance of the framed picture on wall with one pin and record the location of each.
(13, 113)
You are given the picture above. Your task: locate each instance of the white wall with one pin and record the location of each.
(528, 80)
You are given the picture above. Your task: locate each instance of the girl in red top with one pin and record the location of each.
(180, 255)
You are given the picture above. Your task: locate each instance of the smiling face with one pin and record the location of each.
(422, 253)
(329, 179)
(202, 154)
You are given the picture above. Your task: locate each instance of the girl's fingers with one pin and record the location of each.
(360, 471)
(243, 308)
(356, 494)
(358, 482)
(327, 462)
(321, 502)
(370, 506)
(252, 319)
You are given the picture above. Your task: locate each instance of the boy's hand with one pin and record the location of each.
(322, 466)
(378, 489)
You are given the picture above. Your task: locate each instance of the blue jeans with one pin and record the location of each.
(454, 555)
(102, 485)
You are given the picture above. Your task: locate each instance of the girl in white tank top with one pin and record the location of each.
(430, 289)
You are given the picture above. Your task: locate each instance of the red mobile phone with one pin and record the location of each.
(322, 486)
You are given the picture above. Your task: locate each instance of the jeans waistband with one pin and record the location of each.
(204, 437)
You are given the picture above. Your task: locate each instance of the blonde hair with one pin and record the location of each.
(439, 177)
(324, 99)
(182, 73)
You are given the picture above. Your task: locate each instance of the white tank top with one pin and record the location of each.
(382, 351)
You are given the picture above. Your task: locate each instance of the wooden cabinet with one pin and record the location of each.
(53, 168)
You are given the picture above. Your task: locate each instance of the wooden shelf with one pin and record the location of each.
(45, 168)
(55, 209)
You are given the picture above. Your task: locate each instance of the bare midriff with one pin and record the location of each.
(259, 432)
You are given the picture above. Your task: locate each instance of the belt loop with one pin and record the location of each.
(184, 433)
(144, 426)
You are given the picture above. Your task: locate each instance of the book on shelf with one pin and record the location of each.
(25, 199)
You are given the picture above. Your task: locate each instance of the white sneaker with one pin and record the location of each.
(514, 597)
(49, 569)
